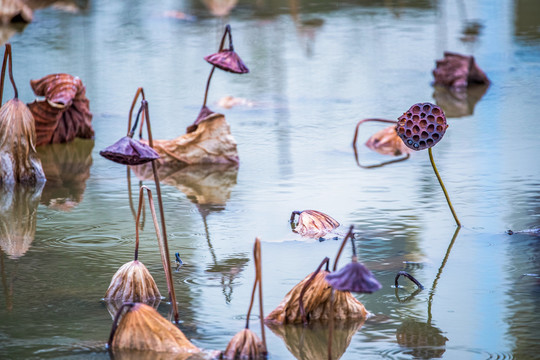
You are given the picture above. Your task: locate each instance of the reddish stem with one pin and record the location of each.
(326, 260)
(349, 235)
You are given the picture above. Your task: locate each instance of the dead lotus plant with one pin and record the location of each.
(137, 326)
(246, 345)
(64, 114)
(19, 162)
(133, 282)
(313, 223)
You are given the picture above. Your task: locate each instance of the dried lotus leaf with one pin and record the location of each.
(15, 11)
(387, 142)
(313, 223)
(354, 277)
(133, 283)
(227, 60)
(245, 345)
(458, 71)
(127, 151)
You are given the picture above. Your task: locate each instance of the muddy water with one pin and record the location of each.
(317, 68)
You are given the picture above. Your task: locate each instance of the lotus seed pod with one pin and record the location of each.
(422, 126)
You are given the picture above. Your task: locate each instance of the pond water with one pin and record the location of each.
(316, 69)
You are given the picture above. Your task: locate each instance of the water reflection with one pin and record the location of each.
(311, 342)
(18, 210)
(458, 103)
(66, 167)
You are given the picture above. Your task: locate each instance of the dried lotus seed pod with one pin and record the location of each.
(422, 126)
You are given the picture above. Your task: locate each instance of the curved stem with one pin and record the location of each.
(139, 92)
(304, 288)
(443, 188)
(408, 276)
(115, 323)
(165, 246)
(254, 284)
(11, 72)
(7, 54)
(208, 86)
(141, 204)
(227, 31)
(349, 235)
(293, 214)
(368, 120)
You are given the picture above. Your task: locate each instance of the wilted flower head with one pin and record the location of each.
(422, 126)
(227, 59)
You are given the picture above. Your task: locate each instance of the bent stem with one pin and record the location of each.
(231, 48)
(364, 121)
(165, 250)
(326, 261)
(115, 323)
(443, 188)
(349, 235)
(139, 92)
(7, 54)
(257, 282)
(408, 276)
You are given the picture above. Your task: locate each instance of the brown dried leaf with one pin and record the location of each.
(19, 162)
(458, 71)
(143, 328)
(315, 224)
(387, 142)
(245, 345)
(133, 283)
(317, 303)
(220, 7)
(210, 143)
(64, 114)
(15, 11)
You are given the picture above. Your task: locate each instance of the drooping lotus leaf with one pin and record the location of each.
(458, 72)
(64, 114)
(315, 224)
(354, 277)
(387, 142)
(227, 60)
(245, 345)
(132, 282)
(128, 151)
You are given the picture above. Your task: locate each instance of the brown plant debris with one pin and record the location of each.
(15, 11)
(133, 283)
(313, 223)
(64, 114)
(422, 126)
(458, 72)
(245, 345)
(387, 142)
(19, 162)
(317, 303)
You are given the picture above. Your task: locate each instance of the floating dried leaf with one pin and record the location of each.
(15, 11)
(313, 223)
(245, 345)
(458, 72)
(387, 142)
(19, 162)
(64, 114)
(422, 126)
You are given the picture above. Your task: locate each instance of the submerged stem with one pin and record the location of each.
(443, 188)
(349, 235)
(408, 276)
(326, 260)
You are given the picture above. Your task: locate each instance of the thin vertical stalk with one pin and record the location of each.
(349, 235)
(326, 260)
(443, 188)
(227, 31)
(257, 255)
(139, 92)
(7, 54)
(165, 251)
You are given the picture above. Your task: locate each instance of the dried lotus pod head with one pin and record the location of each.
(354, 277)
(141, 327)
(19, 160)
(245, 345)
(133, 283)
(422, 126)
(313, 223)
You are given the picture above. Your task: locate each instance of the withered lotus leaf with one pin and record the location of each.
(354, 277)
(19, 162)
(317, 303)
(143, 328)
(15, 11)
(64, 114)
(204, 113)
(387, 142)
(128, 151)
(245, 345)
(211, 143)
(313, 223)
(133, 283)
(458, 72)
(227, 60)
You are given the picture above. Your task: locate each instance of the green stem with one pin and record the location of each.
(443, 188)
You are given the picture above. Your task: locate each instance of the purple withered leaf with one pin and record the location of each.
(129, 152)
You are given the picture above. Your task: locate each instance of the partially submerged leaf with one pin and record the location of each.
(458, 72)
(143, 328)
(387, 142)
(128, 151)
(64, 114)
(313, 223)
(317, 303)
(354, 277)
(245, 345)
(211, 143)
(132, 283)
(15, 11)
(19, 162)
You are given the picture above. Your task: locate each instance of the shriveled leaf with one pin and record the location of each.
(458, 71)
(311, 342)
(245, 345)
(317, 303)
(19, 162)
(18, 212)
(354, 277)
(387, 142)
(210, 143)
(65, 113)
(132, 283)
(128, 151)
(315, 224)
(15, 11)
(143, 328)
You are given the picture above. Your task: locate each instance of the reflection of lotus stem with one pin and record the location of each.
(165, 251)
(331, 325)
(408, 276)
(351, 236)
(140, 92)
(231, 48)
(115, 323)
(258, 281)
(443, 188)
(7, 54)
(326, 260)
(367, 120)
(154, 217)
